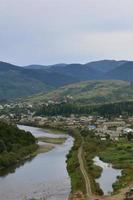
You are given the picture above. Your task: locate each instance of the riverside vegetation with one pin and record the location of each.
(15, 145)
(52, 140)
(118, 153)
(73, 166)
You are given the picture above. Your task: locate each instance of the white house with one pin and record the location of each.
(127, 130)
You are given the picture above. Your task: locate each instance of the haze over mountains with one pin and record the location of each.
(16, 81)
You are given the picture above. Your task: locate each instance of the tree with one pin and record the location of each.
(2, 146)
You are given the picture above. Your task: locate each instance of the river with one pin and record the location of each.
(44, 177)
(108, 177)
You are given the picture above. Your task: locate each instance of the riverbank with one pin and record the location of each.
(9, 161)
(44, 149)
(73, 167)
(52, 140)
(118, 153)
(16, 146)
(36, 179)
(47, 144)
(47, 141)
(48, 128)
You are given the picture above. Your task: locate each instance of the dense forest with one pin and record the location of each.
(106, 110)
(15, 145)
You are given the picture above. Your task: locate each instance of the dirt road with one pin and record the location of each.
(84, 172)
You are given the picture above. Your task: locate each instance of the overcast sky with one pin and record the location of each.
(58, 31)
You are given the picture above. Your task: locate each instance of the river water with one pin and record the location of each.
(108, 176)
(44, 177)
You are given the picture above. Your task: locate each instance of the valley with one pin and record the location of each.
(36, 179)
(92, 107)
(113, 145)
(66, 100)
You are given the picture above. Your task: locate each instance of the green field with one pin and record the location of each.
(120, 154)
(52, 140)
(44, 148)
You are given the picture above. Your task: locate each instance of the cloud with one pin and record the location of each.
(50, 31)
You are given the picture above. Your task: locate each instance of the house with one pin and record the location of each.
(103, 138)
(114, 123)
(91, 127)
(127, 130)
(1, 107)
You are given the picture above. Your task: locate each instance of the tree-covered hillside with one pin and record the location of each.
(90, 92)
(20, 82)
(15, 145)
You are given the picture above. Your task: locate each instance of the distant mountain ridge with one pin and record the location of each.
(105, 65)
(16, 81)
(19, 82)
(123, 72)
(36, 66)
(81, 72)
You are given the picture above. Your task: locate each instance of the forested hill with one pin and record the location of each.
(89, 92)
(20, 82)
(15, 145)
(16, 81)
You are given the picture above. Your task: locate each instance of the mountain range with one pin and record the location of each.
(16, 81)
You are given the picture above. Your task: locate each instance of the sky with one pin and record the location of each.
(65, 31)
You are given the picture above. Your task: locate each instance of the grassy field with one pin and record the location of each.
(44, 148)
(52, 140)
(120, 154)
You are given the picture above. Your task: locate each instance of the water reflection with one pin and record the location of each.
(44, 176)
(108, 177)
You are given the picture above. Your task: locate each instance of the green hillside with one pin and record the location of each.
(17, 81)
(14, 85)
(90, 92)
(15, 145)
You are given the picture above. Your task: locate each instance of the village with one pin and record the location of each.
(102, 127)
(113, 128)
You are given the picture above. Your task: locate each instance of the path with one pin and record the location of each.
(84, 172)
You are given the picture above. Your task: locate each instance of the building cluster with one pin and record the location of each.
(105, 128)
(114, 129)
(71, 121)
